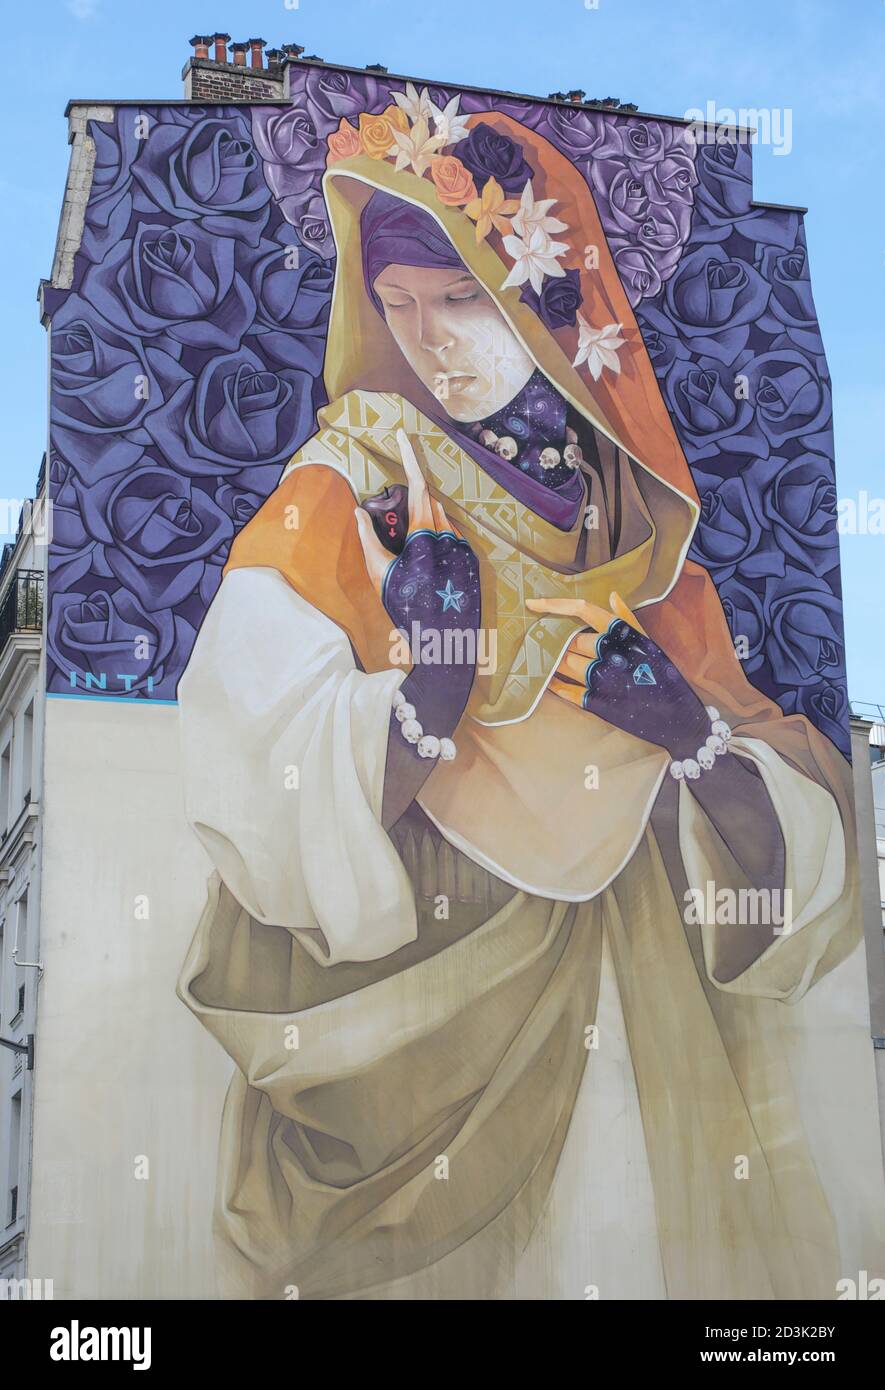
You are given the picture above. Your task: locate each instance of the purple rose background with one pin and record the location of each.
(188, 353)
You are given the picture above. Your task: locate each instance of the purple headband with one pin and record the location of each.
(394, 232)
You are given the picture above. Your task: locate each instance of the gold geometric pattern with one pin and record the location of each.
(521, 556)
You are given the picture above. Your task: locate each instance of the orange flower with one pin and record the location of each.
(491, 210)
(376, 132)
(344, 142)
(454, 183)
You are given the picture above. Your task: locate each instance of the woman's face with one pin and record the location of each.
(454, 338)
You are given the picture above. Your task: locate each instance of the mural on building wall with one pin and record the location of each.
(463, 467)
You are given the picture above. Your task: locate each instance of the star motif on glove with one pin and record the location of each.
(451, 597)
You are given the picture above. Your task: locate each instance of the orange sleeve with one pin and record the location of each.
(306, 530)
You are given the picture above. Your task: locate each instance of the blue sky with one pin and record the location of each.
(821, 60)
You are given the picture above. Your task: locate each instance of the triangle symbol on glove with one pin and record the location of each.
(643, 675)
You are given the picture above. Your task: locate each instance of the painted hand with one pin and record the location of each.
(618, 673)
(434, 581)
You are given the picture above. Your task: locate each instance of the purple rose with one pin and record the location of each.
(237, 502)
(662, 342)
(743, 611)
(109, 638)
(159, 532)
(311, 221)
(589, 135)
(238, 413)
(327, 96)
(488, 154)
(178, 281)
(646, 143)
(207, 171)
(791, 305)
(293, 291)
(293, 151)
(673, 179)
(710, 419)
(725, 187)
(622, 194)
(288, 136)
(826, 706)
(636, 267)
(104, 386)
(110, 196)
(728, 534)
(72, 551)
(664, 230)
(791, 399)
(805, 641)
(796, 498)
(559, 300)
(713, 299)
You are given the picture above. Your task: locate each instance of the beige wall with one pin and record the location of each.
(122, 1068)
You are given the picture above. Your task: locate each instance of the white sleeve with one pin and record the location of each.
(813, 906)
(284, 743)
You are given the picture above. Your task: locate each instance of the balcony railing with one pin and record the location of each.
(22, 606)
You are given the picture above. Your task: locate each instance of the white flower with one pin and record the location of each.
(532, 216)
(598, 347)
(534, 259)
(417, 148)
(447, 122)
(415, 106)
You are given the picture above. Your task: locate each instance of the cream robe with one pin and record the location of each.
(381, 1080)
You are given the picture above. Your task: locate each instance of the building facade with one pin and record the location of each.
(325, 345)
(22, 680)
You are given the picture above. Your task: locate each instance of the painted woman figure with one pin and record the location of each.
(490, 1041)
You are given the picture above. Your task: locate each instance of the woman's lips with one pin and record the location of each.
(456, 382)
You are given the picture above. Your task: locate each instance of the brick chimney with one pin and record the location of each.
(200, 45)
(240, 76)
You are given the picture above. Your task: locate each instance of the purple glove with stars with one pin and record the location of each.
(431, 590)
(621, 675)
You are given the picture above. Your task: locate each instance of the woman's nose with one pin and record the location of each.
(434, 333)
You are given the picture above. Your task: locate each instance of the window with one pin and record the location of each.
(15, 1129)
(5, 784)
(27, 752)
(21, 999)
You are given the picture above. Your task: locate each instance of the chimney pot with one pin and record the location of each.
(239, 54)
(200, 44)
(221, 42)
(576, 94)
(274, 59)
(375, 67)
(256, 47)
(293, 50)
